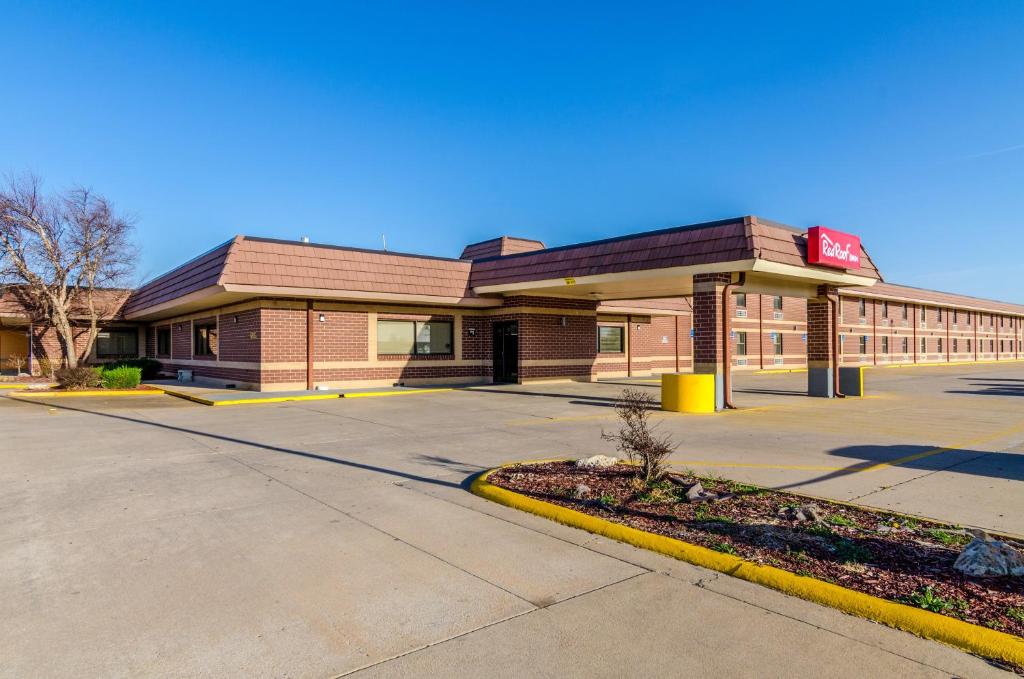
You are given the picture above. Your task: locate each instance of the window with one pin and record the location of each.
(163, 341)
(905, 308)
(924, 346)
(968, 346)
(1001, 321)
(1000, 346)
(862, 307)
(777, 342)
(408, 338)
(885, 310)
(991, 346)
(940, 345)
(117, 343)
(924, 311)
(906, 345)
(741, 300)
(863, 346)
(885, 345)
(938, 314)
(741, 344)
(955, 348)
(204, 339)
(610, 339)
(955, 316)
(777, 303)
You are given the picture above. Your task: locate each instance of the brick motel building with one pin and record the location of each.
(288, 315)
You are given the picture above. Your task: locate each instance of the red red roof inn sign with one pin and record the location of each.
(826, 247)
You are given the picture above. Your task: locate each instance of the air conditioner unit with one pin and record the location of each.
(778, 360)
(741, 313)
(777, 315)
(185, 376)
(741, 361)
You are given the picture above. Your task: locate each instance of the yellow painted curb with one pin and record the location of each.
(946, 364)
(963, 635)
(90, 392)
(249, 401)
(410, 392)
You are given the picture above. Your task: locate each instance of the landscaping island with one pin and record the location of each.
(894, 557)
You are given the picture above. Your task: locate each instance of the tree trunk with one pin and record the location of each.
(67, 337)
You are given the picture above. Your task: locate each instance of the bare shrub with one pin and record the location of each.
(637, 439)
(17, 361)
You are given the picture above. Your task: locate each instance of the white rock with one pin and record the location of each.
(984, 557)
(596, 462)
(582, 492)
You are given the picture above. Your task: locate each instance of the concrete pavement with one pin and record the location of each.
(158, 537)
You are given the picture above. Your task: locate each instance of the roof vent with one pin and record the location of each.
(304, 239)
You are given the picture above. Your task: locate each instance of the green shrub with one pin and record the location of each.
(78, 378)
(122, 377)
(150, 367)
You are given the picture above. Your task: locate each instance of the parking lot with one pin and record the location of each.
(151, 536)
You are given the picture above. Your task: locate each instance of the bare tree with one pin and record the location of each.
(636, 437)
(65, 254)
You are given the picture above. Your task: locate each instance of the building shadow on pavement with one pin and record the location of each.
(252, 444)
(998, 465)
(991, 386)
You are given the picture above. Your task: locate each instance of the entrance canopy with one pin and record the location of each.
(663, 263)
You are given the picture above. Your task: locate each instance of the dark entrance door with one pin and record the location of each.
(506, 351)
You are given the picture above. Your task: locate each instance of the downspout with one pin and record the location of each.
(676, 349)
(629, 346)
(915, 347)
(947, 337)
(309, 344)
(31, 354)
(975, 314)
(835, 345)
(874, 332)
(726, 343)
(760, 330)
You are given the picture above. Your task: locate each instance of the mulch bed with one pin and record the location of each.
(141, 387)
(885, 555)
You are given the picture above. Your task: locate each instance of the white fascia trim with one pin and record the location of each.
(623, 276)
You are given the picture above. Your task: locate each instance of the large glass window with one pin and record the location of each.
(163, 342)
(610, 339)
(204, 341)
(414, 337)
(117, 343)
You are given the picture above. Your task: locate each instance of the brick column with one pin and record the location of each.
(708, 315)
(820, 340)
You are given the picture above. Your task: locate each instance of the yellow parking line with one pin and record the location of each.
(743, 465)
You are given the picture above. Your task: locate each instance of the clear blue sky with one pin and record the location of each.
(442, 124)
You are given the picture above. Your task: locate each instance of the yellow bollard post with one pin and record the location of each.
(688, 393)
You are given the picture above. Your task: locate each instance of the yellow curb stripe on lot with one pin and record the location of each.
(89, 392)
(298, 397)
(946, 364)
(971, 638)
(409, 392)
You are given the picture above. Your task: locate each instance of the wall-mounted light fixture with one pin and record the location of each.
(323, 319)
(565, 321)
(234, 319)
(471, 332)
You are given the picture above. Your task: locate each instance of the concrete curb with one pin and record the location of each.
(42, 393)
(971, 638)
(301, 397)
(410, 392)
